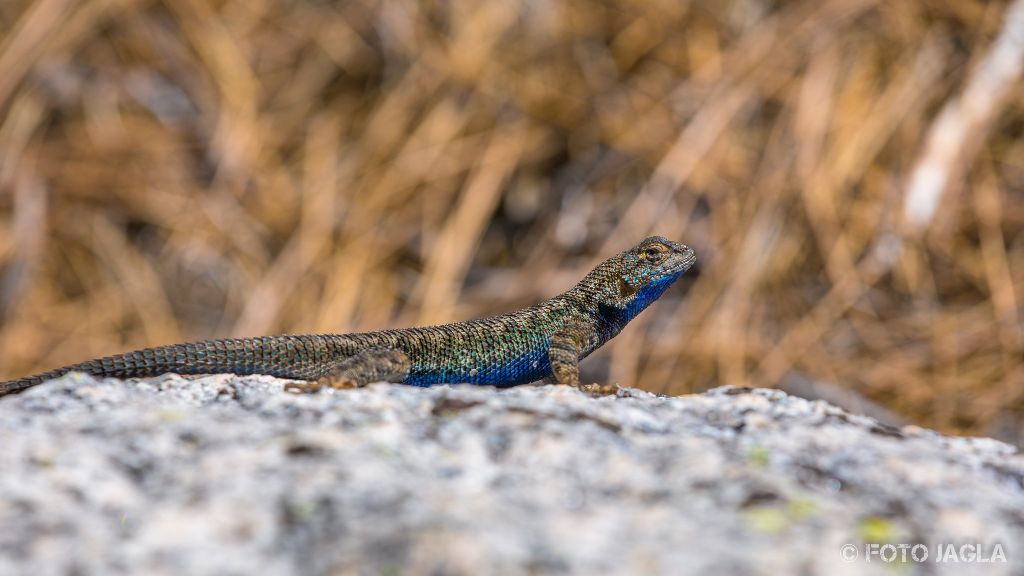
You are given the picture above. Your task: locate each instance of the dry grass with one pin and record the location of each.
(187, 169)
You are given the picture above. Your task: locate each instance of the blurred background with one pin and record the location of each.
(850, 173)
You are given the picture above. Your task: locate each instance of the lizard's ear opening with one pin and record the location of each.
(626, 290)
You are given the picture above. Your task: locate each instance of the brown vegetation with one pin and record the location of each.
(184, 169)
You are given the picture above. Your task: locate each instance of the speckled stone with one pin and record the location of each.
(231, 475)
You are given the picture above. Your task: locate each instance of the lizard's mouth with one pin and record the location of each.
(684, 262)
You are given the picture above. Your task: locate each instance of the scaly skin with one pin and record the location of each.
(542, 341)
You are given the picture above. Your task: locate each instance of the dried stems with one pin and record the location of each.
(849, 172)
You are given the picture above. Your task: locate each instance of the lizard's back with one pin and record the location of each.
(547, 339)
(502, 350)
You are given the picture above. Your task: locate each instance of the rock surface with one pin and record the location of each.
(231, 475)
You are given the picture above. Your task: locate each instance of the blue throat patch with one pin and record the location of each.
(648, 294)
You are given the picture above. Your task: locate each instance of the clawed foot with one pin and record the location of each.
(302, 387)
(334, 382)
(600, 389)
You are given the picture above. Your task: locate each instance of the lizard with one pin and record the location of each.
(543, 342)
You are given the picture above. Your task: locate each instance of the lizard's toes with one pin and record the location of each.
(600, 389)
(302, 387)
(337, 382)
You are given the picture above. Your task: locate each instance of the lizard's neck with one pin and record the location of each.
(647, 295)
(597, 302)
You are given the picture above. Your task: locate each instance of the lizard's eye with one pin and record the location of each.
(652, 254)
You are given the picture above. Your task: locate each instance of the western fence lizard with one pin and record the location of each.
(542, 341)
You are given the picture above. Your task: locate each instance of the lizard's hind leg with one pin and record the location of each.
(370, 365)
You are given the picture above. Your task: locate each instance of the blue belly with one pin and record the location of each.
(500, 370)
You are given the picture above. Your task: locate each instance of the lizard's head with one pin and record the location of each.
(628, 282)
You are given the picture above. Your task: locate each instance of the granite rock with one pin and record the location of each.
(233, 475)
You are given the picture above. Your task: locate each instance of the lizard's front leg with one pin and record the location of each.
(564, 354)
(370, 365)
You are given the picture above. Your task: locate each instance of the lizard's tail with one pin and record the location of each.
(14, 386)
(92, 367)
(282, 356)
